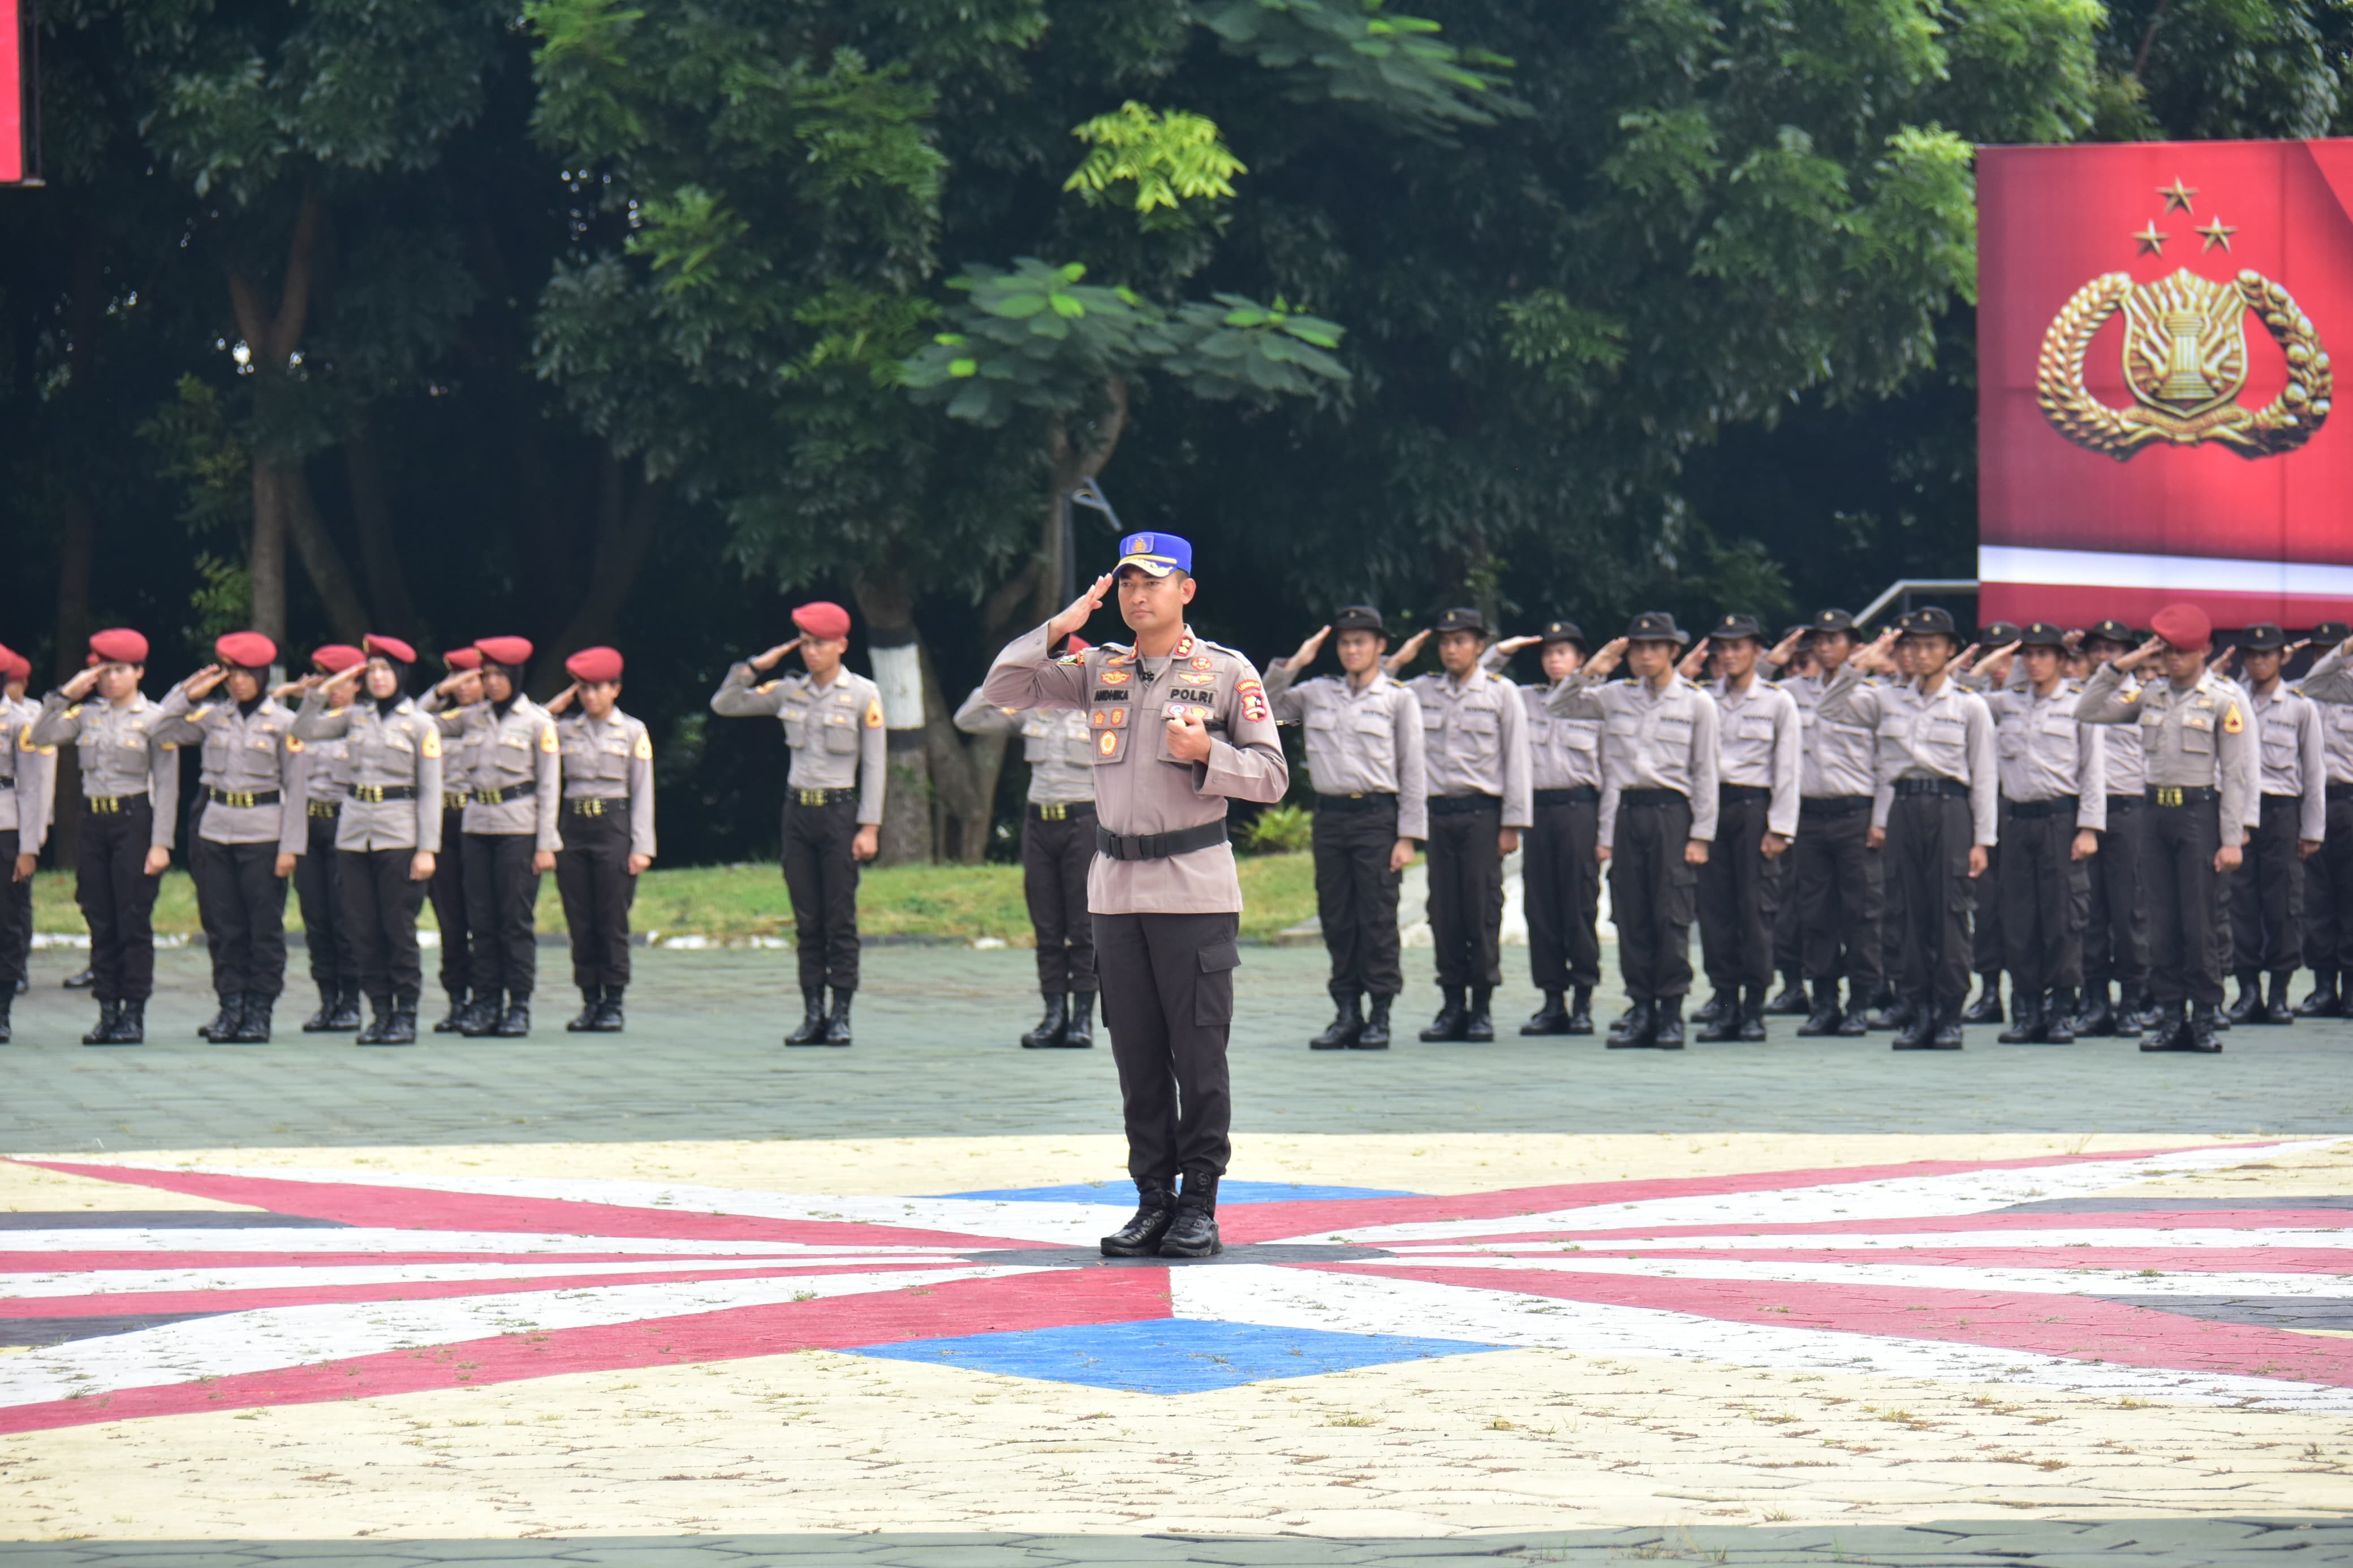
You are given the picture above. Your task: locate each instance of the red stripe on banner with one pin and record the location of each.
(420, 1208)
(2166, 1260)
(2076, 1327)
(959, 1308)
(11, 95)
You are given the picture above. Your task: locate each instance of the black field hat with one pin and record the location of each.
(1935, 622)
(2331, 632)
(2262, 638)
(1656, 625)
(1462, 619)
(1737, 627)
(1563, 631)
(1358, 619)
(2113, 630)
(1830, 621)
(2042, 633)
(1997, 633)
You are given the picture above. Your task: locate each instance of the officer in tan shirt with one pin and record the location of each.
(1758, 776)
(608, 831)
(1560, 876)
(1181, 726)
(25, 796)
(326, 784)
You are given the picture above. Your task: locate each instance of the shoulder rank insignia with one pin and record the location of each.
(2232, 723)
(431, 745)
(547, 738)
(293, 742)
(644, 749)
(874, 713)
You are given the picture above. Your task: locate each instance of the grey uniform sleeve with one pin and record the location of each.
(641, 793)
(177, 718)
(2234, 743)
(549, 798)
(1023, 676)
(2091, 777)
(314, 721)
(1707, 730)
(740, 696)
(2330, 679)
(294, 796)
(59, 722)
(1413, 768)
(2105, 700)
(1788, 769)
(1249, 764)
(37, 786)
(1575, 696)
(2313, 824)
(1519, 768)
(873, 761)
(163, 789)
(1985, 776)
(1283, 693)
(980, 716)
(428, 800)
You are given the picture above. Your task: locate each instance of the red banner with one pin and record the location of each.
(2155, 327)
(12, 94)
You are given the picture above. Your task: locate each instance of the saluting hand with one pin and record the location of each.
(2221, 661)
(1602, 663)
(1695, 663)
(1079, 611)
(1308, 649)
(340, 687)
(1880, 657)
(1188, 739)
(77, 688)
(563, 700)
(203, 680)
(763, 662)
(1786, 649)
(2141, 654)
(1404, 654)
(1511, 645)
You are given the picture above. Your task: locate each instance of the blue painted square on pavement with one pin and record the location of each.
(1170, 1355)
(1121, 1195)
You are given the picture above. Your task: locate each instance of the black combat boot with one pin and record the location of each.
(812, 1029)
(1711, 1012)
(1194, 1231)
(1155, 1210)
(81, 979)
(129, 1023)
(2171, 1028)
(1347, 1023)
(453, 1021)
(2201, 1035)
(591, 998)
(1479, 1025)
(253, 1023)
(400, 1028)
(1987, 1008)
(1452, 1015)
(2096, 1019)
(1791, 1003)
(2324, 1002)
(1892, 1013)
(222, 1026)
(1854, 1018)
(1638, 1030)
(1720, 1019)
(2025, 1020)
(2248, 1006)
(1552, 1018)
(381, 1006)
(347, 1010)
(1946, 1035)
(107, 1013)
(1667, 1024)
(1375, 1034)
(1048, 1032)
(1752, 1015)
(1826, 1017)
(1079, 1034)
(480, 1018)
(1919, 1026)
(1580, 1011)
(609, 1017)
(515, 1022)
(7, 1000)
(2059, 1017)
(2277, 1010)
(837, 1025)
(321, 1021)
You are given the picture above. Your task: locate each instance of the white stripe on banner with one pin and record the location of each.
(2174, 574)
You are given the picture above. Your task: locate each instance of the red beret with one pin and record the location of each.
(247, 650)
(592, 666)
(337, 657)
(2185, 627)
(15, 666)
(461, 658)
(822, 618)
(391, 647)
(120, 644)
(513, 652)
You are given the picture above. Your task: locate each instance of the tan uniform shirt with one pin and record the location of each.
(328, 777)
(1758, 744)
(2249, 755)
(2044, 751)
(611, 760)
(120, 754)
(2293, 757)
(495, 753)
(1139, 787)
(2330, 683)
(1563, 753)
(1359, 742)
(2197, 739)
(1475, 741)
(399, 750)
(244, 753)
(1650, 740)
(1055, 742)
(28, 798)
(835, 731)
(1837, 757)
(1945, 735)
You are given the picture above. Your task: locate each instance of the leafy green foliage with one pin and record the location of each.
(1169, 159)
(1354, 52)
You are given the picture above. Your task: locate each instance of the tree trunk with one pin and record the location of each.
(907, 836)
(321, 560)
(626, 526)
(1068, 464)
(387, 584)
(266, 560)
(964, 770)
(77, 550)
(271, 338)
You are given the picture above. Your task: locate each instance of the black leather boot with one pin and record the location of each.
(1987, 1008)
(515, 1022)
(480, 1018)
(2127, 1020)
(1452, 1015)
(1155, 1209)
(2096, 1019)
(454, 1020)
(2025, 1020)
(611, 1020)
(1048, 1032)
(129, 1023)
(1580, 1011)
(1752, 1015)
(837, 1025)
(1667, 1024)
(1347, 1023)
(222, 1025)
(400, 1028)
(812, 1029)
(1826, 1017)
(1194, 1231)
(1919, 1025)
(1892, 1013)
(1638, 1030)
(2161, 1035)
(347, 1010)
(321, 1022)
(101, 1034)
(2324, 1002)
(591, 998)
(81, 979)
(1552, 1018)
(1722, 1018)
(1710, 1013)
(373, 1035)
(7, 1000)
(2277, 1008)
(2201, 1035)
(1946, 1035)
(1791, 1003)
(1375, 1034)
(1479, 1025)
(2059, 1018)
(253, 1022)
(2249, 1006)
(1079, 1034)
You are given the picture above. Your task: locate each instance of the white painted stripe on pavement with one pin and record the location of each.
(2054, 1282)
(1845, 1241)
(364, 1238)
(327, 1277)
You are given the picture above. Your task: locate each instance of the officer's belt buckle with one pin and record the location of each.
(588, 805)
(2169, 795)
(104, 805)
(368, 795)
(236, 800)
(1053, 813)
(814, 796)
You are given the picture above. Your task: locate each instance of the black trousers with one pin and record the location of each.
(20, 894)
(1357, 894)
(2183, 900)
(2328, 895)
(447, 891)
(1989, 949)
(118, 900)
(1840, 900)
(1789, 930)
(591, 876)
(15, 919)
(1169, 1001)
(2116, 925)
(1739, 898)
(1054, 861)
(1560, 883)
(318, 889)
(2046, 897)
(380, 905)
(2267, 893)
(242, 901)
(1466, 892)
(1652, 891)
(1928, 845)
(501, 893)
(821, 876)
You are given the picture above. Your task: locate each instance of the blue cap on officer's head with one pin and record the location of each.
(1158, 554)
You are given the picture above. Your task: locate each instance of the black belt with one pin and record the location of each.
(328, 809)
(2339, 791)
(2281, 800)
(821, 797)
(2120, 804)
(238, 799)
(7, 783)
(1725, 792)
(500, 796)
(1369, 801)
(1157, 846)
(1457, 805)
(2057, 805)
(595, 805)
(1650, 799)
(2183, 795)
(1060, 810)
(1575, 795)
(375, 793)
(1953, 789)
(1834, 806)
(113, 805)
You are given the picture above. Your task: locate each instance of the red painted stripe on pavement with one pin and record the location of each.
(958, 1308)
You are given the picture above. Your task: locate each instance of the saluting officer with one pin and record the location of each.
(24, 796)
(1181, 726)
(255, 780)
(390, 829)
(1933, 812)
(1758, 776)
(2292, 816)
(608, 831)
(2328, 876)
(2196, 737)
(1659, 761)
(1788, 662)
(318, 886)
(130, 801)
(2115, 927)
(1058, 845)
(1835, 871)
(1476, 757)
(460, 689)
(833, 802)
(1560, 875)
(1364, 752)
(1989, 949)
(2054, 784)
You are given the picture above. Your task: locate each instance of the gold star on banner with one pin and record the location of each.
(2177, 194)
(2217, 232)
(2152, 243)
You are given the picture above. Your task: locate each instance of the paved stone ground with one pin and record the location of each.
(935, 1057)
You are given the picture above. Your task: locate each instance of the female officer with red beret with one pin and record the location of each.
(608, 831)
(31, 775)
(318, 888)
(461, 688)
